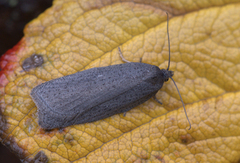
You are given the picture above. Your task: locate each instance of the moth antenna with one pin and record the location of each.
(171, 77)
(182, 103)
(168, 43)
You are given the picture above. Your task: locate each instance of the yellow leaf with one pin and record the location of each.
(74, 36)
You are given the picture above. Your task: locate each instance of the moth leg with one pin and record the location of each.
(122, 56)
(140, 60)
(124, 114)
(155, 98)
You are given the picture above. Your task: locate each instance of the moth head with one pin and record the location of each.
(167, 74)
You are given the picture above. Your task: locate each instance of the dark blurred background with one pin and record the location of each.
(14, 15)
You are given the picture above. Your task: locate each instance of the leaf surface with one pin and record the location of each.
(74, 36)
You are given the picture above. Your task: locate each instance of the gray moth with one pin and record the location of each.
(98, 93)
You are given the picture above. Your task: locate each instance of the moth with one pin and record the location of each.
(98, 93)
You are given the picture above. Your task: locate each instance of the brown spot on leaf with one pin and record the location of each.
(40, 158)
(185, 139)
